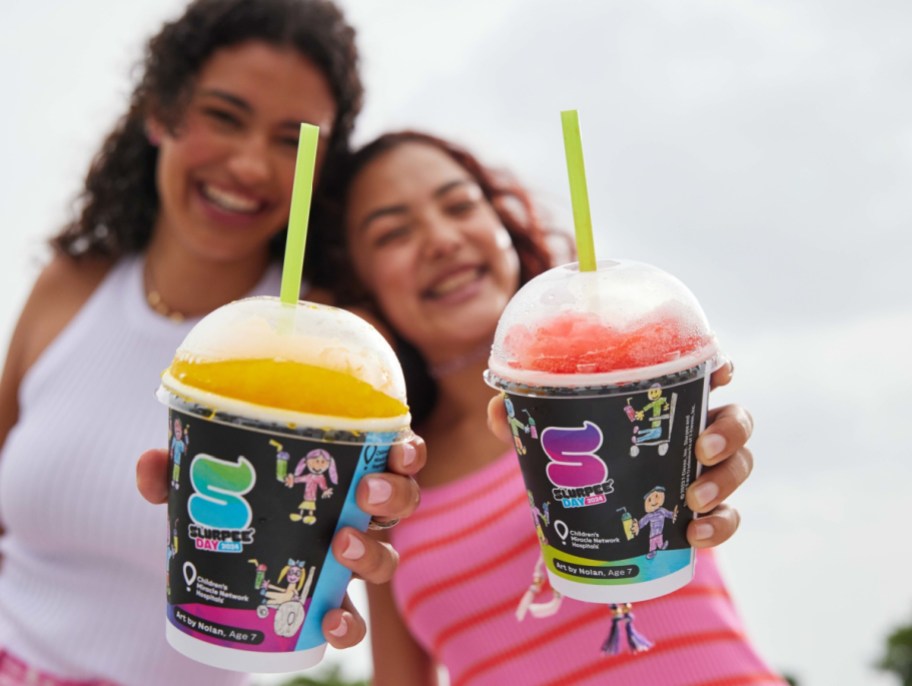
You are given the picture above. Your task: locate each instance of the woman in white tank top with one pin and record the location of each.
(183, 210)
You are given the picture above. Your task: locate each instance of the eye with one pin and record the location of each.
(462, 207)
(391, 236)
(223, 117)
(288, 142)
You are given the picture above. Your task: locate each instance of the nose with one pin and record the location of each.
(250, 163)
(442, 236)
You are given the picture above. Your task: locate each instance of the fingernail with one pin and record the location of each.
(703, 530)
(704, 494)
(342, 629)
(408, 454)
(354, 550)
(378, 491)
(712, 444)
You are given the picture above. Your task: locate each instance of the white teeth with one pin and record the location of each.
(230, 201)
(454, 282)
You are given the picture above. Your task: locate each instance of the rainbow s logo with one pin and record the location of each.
(580, 476)
(221, 515)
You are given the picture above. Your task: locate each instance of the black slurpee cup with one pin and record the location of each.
(605, 376)
(290, 406)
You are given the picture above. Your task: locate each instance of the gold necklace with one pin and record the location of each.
(155, 300)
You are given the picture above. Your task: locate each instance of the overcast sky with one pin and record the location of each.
(760, 150)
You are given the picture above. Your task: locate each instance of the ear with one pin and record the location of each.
(155, 131)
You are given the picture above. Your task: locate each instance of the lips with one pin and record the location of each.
(454, 282)
(231, 201)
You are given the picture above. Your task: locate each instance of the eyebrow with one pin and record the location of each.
(228, 97)
(447, 187)
(242, 104)
(394, 210)
(391, 210)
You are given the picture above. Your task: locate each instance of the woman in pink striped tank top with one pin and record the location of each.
(440, 244)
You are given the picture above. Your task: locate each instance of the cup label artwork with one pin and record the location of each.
(606, 478)
(251, 518)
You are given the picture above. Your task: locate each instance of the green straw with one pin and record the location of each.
(299, 214)
(579, 196)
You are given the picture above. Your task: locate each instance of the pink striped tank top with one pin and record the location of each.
(467, 557)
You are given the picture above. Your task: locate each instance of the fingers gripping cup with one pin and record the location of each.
(276, 413)
(605, 375)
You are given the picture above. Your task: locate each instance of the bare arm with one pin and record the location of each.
(9, 384)
(398, 659)
(59, 292)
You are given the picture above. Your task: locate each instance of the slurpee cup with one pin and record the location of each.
(282, 458)
(627, 523)
(263, 382)
(585, 353)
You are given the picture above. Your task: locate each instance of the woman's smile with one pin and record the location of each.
(457, 285)
(230, 201)
(231, 208)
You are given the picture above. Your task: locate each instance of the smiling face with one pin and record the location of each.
(654, 501)
(431, 249)
(317, 464)
(225, 173)
(294, 574)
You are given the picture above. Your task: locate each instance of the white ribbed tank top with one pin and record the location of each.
(82, 575)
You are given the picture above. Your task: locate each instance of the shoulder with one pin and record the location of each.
(60, 291)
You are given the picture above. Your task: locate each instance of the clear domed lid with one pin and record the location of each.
(309, 333)
(292, 362)
(624, 322)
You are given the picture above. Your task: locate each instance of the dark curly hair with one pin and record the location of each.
(118, 205)
(536, 245)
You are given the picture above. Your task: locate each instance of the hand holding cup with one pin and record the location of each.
(721, 449)
(385, 496)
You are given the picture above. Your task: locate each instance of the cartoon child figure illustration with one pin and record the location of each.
(170, 552)
(655, 407)
(277, 595)
(287, 601)
(655, 517)
(658, 411)
(180, 443)
(539, 518)
(516, 426)
(311, 471)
